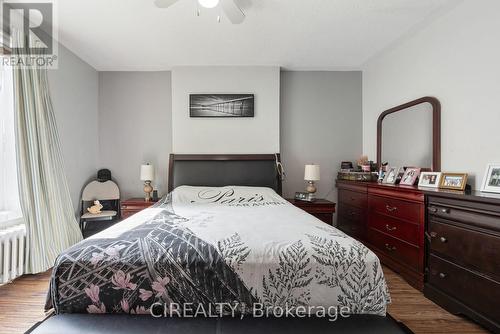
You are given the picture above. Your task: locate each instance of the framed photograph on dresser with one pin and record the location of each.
(429, 179)
(391, 176)
(491, 180)
(453, 181)
(410, 176)
(381, 174)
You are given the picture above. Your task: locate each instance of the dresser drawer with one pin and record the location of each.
(351, 220)
(470, 248)
(353, 198)
(129, 210)
(127, 213)
(131, 206)
(477, 292)
(352, 213)
(395, 208)
(396, 249)
(395, 227)
(324, 217)
(352, 228)
(134, 207)
(478, 217)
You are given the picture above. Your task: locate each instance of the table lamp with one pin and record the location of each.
(147, 175)
(311, 174)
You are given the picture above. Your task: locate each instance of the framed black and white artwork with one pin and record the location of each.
(221, 105)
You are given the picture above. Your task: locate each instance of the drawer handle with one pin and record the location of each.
(124, 206)
(391, 208)
(388, 228)
(428, 236)
(352, 213)
(390, 248)
(433, 209)
(442, 275)
(434, 235)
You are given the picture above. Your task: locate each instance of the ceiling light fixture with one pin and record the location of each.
(208, 3)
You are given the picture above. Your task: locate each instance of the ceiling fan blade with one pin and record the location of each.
(164, 3)
(233, 12)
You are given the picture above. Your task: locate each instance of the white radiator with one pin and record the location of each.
(12, 243)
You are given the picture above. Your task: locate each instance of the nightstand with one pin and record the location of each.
(133, 205)
(321, 208)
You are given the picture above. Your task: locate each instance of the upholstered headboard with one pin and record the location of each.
(215, 170)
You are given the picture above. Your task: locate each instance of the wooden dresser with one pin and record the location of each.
(463, 258)
(390, 220)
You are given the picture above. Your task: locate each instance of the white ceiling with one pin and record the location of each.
(294, 34)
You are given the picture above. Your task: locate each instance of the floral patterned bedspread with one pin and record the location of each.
(222, 250)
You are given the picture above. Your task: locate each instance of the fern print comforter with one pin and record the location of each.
(222, 251)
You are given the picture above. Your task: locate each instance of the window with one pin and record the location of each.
(10, 211)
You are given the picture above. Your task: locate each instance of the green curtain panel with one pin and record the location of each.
(51, 226)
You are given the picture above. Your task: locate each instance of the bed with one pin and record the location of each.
(223, 242)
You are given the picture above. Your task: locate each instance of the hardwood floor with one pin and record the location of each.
(21, 306)
(420, 314)
(22, 303)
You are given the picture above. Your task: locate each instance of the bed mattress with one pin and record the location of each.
(205, 251)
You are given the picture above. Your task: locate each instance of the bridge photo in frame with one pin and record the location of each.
(221, 105)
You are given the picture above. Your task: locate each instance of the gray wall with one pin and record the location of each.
(135, 126)
(320, 122)
(463, 73)
(74, 91)
(259, 134)
(321, 116)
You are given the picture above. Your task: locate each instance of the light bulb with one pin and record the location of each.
(208, 3)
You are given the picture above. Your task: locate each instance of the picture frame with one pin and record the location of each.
(491, 179)
(221, 105)
(430, 179)
(453, 181)
(401, 172)
(381, 174)
(391, 175)
(410, 176)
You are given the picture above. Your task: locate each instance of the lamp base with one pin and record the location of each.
(311, 187)
(148, 189)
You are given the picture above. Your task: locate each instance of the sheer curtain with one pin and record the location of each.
(48, 213)
(10, 210)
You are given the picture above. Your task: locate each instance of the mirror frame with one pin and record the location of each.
(436, 129)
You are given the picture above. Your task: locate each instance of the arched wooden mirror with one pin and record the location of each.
(410, 135)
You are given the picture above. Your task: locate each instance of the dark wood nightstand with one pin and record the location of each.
(131, 206)
(321, 208)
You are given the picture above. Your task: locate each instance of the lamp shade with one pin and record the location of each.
(147, 172)
(311, 173)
